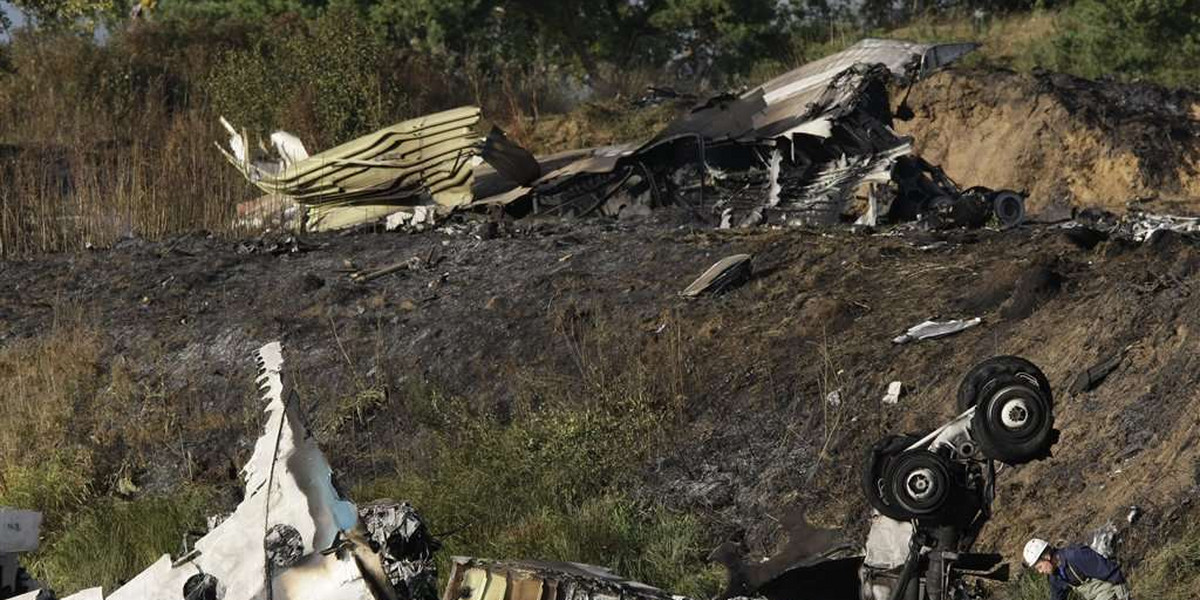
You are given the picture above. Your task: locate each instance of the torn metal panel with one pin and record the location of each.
(796, 101)
(406, 548)
(929, 330)
(293, 536)
(903, 59)
(88, 594)
(823, 200)
(482, 579)
(19, 530)
(428, 161)
(895, 389)
(726, 273)
(888, 542)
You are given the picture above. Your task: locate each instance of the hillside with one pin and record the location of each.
(588, 312)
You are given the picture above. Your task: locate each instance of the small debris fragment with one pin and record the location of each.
(1095, 375)
(411, 264)
(894, 391)
(1135, 511)
(834, 398)
(929, 330)
(1104, 539)
(727, 273)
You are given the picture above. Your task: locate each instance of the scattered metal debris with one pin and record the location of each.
(1104, 539)
(929, 330)
(1136, 225)
(727, 273)
(1143, 225)
(834, 399)
(796, 150)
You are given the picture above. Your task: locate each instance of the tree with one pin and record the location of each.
(62, 13)
(1156, 39)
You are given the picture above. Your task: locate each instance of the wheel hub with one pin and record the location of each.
(920, 484)
(1015, 413)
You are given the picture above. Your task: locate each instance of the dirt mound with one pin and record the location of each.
(1068, 142)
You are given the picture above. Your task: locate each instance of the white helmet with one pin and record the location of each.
(1034, 549)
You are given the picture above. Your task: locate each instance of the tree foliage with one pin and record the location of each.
(60, 13)
(1154, 39)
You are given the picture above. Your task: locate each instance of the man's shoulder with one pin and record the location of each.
(1077, 550)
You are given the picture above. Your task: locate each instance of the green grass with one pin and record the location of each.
(112, 540)
(555, 483)
(1027, 585)
(556, 476)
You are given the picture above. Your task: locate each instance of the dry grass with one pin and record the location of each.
(41, 383)
(65, 407)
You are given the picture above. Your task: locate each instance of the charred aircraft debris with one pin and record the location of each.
(814, 146)
(294, 536)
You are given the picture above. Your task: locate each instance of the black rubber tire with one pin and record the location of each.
(1008, 208)
(875, 465)
(912, 468)
(980, 374)
(1014, 421)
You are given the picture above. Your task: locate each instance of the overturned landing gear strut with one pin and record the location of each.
(932, 494)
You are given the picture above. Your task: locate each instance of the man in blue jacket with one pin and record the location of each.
(1076, 568)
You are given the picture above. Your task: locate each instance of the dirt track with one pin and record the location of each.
(186, 314)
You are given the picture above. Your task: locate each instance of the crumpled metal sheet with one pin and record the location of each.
(929, 330)
(406, 546)
(798, 101)
(888, 542)
(722, 275)
(427, 161)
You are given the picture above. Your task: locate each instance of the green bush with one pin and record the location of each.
(1157, 40)
(322, 79)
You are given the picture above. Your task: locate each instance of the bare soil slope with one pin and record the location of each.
(1065, 140)
(753, 368)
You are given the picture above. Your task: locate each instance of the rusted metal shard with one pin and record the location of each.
(726, 273)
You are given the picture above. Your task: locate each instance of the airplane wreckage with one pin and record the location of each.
(294, 536)
(800, 149)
